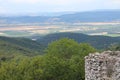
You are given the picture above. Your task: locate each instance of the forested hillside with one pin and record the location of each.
(12, 46)
(99, 42)
(62, 59)
(57, 39)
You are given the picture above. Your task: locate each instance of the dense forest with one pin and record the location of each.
(61, 59)
(99, 42)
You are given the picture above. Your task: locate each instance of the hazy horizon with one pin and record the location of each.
(34, 7)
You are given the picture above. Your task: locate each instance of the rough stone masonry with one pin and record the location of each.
(103, 66)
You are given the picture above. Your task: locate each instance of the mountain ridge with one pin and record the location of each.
(89, 16)
(99, 42)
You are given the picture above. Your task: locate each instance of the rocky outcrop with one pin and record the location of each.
(103, 66)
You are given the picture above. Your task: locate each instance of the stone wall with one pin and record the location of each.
(103, 66)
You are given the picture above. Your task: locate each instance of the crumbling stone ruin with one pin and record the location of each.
(103, 66)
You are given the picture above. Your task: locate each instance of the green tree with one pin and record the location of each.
(72, 54)
(114, 47)
(63, 48)
(64, 60)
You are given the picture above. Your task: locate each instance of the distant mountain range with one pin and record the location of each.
(96, 16)
(90, 16)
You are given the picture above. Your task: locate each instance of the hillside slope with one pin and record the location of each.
(23, 46)
(13, 46)
(99, 42)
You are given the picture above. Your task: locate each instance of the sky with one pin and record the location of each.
(40, 6)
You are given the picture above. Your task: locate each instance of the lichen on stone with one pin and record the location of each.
(103, 66)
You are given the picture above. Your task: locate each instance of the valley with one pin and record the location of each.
(91, 28)
(59, 39)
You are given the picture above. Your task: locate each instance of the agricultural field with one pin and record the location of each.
(23, 30)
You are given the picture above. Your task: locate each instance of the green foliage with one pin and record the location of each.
(85, 49)
(72, 54)
(11, 47)
(56, 69)
(114, 47)
(21, 69)
(63, 48)
(64, 60)
(99, 42)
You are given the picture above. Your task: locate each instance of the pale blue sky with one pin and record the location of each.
(37, 6)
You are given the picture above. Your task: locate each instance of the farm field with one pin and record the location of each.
(23, 30)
